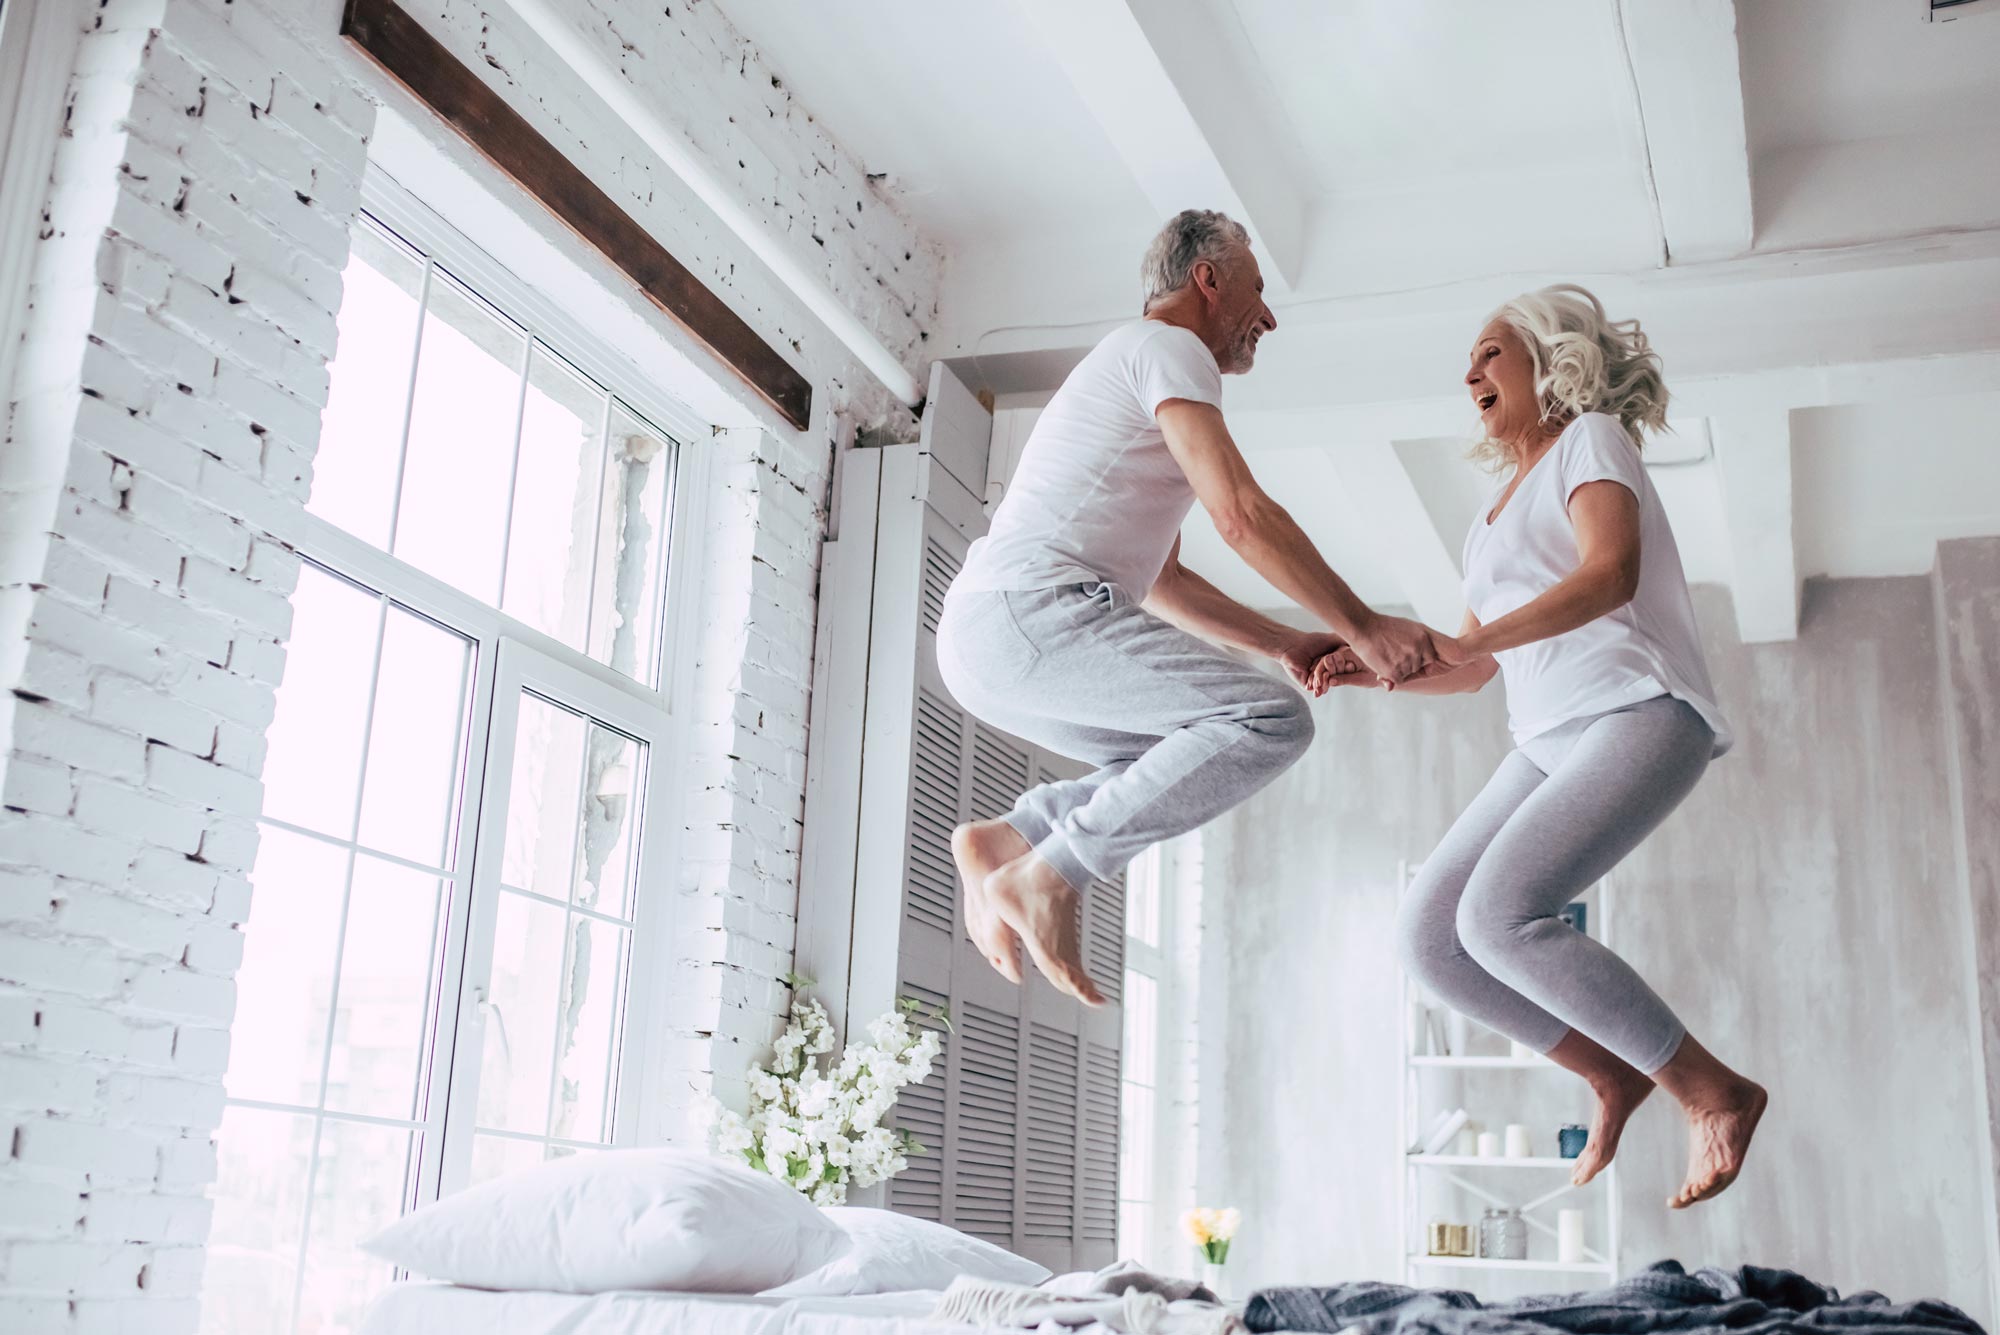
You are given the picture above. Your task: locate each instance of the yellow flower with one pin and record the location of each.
(1198, 1224)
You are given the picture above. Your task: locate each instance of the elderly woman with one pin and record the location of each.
(1576, 598)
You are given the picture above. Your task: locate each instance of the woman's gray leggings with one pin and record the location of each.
(1479, 926)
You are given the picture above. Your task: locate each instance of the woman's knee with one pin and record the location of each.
(1490, 929)
(1426, 941)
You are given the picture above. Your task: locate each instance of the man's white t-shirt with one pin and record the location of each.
(1647, 648)
(1097, 497)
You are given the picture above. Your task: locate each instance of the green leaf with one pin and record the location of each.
(798, 982)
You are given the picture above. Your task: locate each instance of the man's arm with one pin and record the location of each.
(1259, 530)
(1185, 599)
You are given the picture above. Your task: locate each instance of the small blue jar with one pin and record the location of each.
(1571, 1139)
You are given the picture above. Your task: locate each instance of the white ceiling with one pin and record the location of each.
(1800, 199)
(978, 130)
(1837, 71)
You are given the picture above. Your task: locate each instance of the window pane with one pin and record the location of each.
(260, 1200)
(1134, 1235)
(552, 542)
(413, 747)
(631, 564)
(1142, 898)
(520, 1025)
(313, 772)
(592, 1013)
(362, 1184)
(361, 433)
(1142, 1028)
(382, 1027)
(495, 1156)
(284, 988)
(1135, 1144)
(604, 873)
(545, 800)
(460, 461)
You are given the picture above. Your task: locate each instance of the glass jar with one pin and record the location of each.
(1503, 1235)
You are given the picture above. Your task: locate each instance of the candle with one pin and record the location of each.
(1489, 1145)
(1517, 1141)
(1569, 1236)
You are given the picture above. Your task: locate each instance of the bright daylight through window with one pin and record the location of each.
(410, 1017)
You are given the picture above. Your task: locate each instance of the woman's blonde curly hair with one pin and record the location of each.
(1585, 362)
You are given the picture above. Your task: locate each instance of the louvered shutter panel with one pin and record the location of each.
(1020, 1118)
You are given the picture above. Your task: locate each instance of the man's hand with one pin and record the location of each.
(1302, 651)
(1395, 648)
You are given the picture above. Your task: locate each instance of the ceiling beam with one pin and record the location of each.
(1381, 488)
(1753, 461)
(1176, 90)
(1689, 78)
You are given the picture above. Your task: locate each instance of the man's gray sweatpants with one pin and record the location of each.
(1180, 731)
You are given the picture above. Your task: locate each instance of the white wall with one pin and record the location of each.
(163, 428)
(1803, 911)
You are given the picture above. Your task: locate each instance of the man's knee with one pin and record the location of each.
(1286, 721)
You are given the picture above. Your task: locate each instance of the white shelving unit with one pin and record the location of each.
(1470, 1173)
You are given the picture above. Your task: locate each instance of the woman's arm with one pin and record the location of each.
(1605, 516)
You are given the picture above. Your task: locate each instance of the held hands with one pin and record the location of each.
(1397, 649)
(1344, 665)
(1304, 652)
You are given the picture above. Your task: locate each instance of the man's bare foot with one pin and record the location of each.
(981, 848)
(1032, 898)
(1718, 1137)
(1618, 1097)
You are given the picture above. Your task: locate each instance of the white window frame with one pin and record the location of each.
(510, 651)
(1150, 960)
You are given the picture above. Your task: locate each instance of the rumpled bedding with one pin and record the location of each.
(1748, 1300)
(1121, 1299)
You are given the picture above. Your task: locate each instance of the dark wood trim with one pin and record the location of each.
(393, 40)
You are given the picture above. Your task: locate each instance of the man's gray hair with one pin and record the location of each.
(1189, 236)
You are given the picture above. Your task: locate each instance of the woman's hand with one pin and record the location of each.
(1300, 653)
(1342, 667)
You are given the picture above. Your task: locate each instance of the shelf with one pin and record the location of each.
(1490, 1263)
(1488, 1063)
(1482, 1161)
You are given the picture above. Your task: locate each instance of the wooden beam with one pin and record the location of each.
(1689, 75)
(1169, 87)
(1753, 461)
(387, 35)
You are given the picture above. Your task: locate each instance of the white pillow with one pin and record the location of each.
(618, 1219)
(893, 1253)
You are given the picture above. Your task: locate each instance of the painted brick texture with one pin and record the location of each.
(162, 431)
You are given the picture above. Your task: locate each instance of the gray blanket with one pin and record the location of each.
(1750, 1300)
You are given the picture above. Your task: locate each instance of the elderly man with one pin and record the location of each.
(1074, 624)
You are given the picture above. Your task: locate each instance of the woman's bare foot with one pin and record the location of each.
(1620, 1088)
(1032, 898)
(1718, 1138)
(981, 848)
(1618, 1097)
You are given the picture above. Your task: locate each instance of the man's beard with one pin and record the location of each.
(1243, 354)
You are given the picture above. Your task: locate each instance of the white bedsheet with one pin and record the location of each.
(445, 1309)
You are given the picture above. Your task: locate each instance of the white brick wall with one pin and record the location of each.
(182, 316)
(162, 427)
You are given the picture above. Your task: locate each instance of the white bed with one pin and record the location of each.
(418, 1308)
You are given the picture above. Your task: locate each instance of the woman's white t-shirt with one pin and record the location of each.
(1647, 648)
